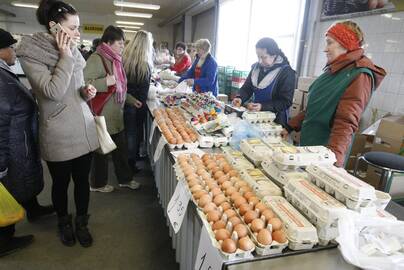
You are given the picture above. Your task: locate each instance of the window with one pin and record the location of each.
(237, 36)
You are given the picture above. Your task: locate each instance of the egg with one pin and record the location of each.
(244, 189)
(225, 206)
(226, 184)
(206, 198)
(241, 230)
(219, 199)
(257, 225)
(229, 246)
(250, 216)
(200, 171)
(230, 213)
(240, 183)
(261, 207)
(264, 237)
(235, 179)
(212, 185)
(196, 188)
(222, 234)
(218, 174)
(230, 190)
(234, 220)
(180, 141)
(193, 182)
(197, 195)
(215, 169)
(216, 191)
(209, 207)
(171, 140)
(205, 157)
(206, 177)
(268, 214)
(213, 216)
(223, 179)
(245, 244)
(233, 173)
(279, 236)
(235, 196)
(220, 224)
(211, 165)
(248, 195)
(226, 168)
(239, 201)
(253, 200)
(188, 171)
(276, 223)
(244, 208)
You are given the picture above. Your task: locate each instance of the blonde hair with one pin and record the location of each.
(203, 44)
(137, 56)
(354, 27)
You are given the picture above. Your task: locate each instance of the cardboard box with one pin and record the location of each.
(361, 144)
(294, 110)
(298, 97)
(388, 145)
(303, 83)
(397, 185)
(373, 176)
(390, 135)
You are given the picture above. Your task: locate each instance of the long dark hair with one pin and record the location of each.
(271, 47)
(52, 10)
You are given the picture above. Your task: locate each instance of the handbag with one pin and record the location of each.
(101, 98)
(10, 210)
(106, 143)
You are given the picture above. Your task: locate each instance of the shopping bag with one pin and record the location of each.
(106, 143)
(10, 211)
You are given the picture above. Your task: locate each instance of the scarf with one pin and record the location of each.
(106, 51)
(261, 79)
(41, 47)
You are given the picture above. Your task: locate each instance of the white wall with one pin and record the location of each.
(384, 39)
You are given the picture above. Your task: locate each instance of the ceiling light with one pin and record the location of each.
(129, 27)
(129, 31)
(129, 23)
(133, 14)
(135, 5)
(26, 5)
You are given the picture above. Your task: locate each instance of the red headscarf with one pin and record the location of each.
(345, 36)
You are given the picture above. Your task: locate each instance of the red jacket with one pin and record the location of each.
(181, 65)
(351, 105)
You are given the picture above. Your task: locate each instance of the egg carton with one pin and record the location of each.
(259, 117)
(255, 150)
(382, 199)
(236, 158)
(220, 141)
(272, 139)
(239, 254)
(292, 157)
(260, 182)
(300, 232)
(346, 188)
(313, 199)
(281, 177)
(277, 145)
(269, 129)
(206, 141)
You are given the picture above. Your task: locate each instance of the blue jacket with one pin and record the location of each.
(208, 80)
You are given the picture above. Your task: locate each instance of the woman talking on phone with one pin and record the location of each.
(67, 132)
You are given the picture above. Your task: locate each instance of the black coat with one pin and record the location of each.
(19, 152)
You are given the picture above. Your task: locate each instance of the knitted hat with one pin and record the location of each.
(6, 39)
(345, 36)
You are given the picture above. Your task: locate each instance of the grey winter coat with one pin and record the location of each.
(66, 125)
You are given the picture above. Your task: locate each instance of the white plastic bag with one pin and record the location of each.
(370, 242)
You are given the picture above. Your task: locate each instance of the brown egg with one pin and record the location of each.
(230, 213)
(230, 190)
(180, 141)
(223, 179)
(218, 174)
(213, 216)
(261, 207)
(200, 171)
(188, 171)
(235, 179)
(171, 140)
(205, 157)
(248, 195)
(220, 224)
(226, 168)
(254, 200)
(239, 201)
(197, 195)
(276, 223)
(216, 191)
(222, 234)
(193, 182)
(219, 199)
(240, 183)
(182, 157)
(205, 199)
(244, 208)
(268, 214)
(225, 206)
(211, 165)
(235, 196)
(245, 189)
(226, 184)
(264, 237)
(229, 246)
(241, 230)
(249, 216)
(245, 244)
(196, 188)
(209, 207)
(215, 169)
(234, 220)
(233, 173)
(257, 225)
(279, 236)
(206, 177)
(212, 185)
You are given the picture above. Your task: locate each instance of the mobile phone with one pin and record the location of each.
(56, 29)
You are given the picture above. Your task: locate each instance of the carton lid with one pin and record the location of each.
(391, 127)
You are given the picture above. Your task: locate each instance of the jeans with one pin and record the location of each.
(134, 120)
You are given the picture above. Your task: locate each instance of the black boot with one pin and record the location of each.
(66, 233)
(15, 243)
(82, 233)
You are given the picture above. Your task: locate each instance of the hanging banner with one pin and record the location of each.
(93, 28)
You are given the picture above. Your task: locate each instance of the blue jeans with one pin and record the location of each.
(134, 120)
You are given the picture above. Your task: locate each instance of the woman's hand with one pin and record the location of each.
(89, 91)
(254, 107)
(138, 104)
(190, 82)
(284, 134)
(111, 80)
(236, 102)
(63, 42)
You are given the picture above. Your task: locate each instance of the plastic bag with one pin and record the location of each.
(371, 242)
(242, 130)
(10, 211)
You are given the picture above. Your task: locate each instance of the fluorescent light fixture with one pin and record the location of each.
(129, 31)
(388, 15)
(22, 4)
(133, 14)
(129, 23)
(129, 27)
(136, 5)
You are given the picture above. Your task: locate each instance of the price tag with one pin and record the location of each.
(178, 205)
(208, 257)
(152, 128)
(159, 149)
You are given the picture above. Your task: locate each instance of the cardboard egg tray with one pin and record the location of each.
(236, 158)
(259, 117)
(346, 188)
(271, 130)
(382, 199)
(260, 183)
(318, 206)
(292, 157)
(276, 146)
(282, 177)
(300, 232)
(255, 150)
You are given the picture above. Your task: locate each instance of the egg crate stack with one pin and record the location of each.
(236, 158)
(255, 150)
(319, 207)
(270, 131)
(259, 117)
(170, 100)
(354, 193)
(174, 128)
(260, 183)
(282, 177)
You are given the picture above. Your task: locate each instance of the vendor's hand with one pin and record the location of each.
(63, 42)
(190, 82)
(138, 104)
(236, 102)
(256, 107)
(89, 91)
(284, 134)
(111, 80)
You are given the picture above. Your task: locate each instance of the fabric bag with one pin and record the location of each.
(10, 211)
(101, 98)
(106, 143)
